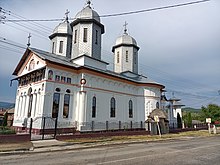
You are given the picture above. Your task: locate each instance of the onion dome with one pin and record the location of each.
(125, 40)
(88, 13)
(63, 28)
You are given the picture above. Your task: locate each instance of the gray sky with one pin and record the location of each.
(179, 47)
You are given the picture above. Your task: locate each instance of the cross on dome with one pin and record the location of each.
(29, 40)
(67, 13)
(88, 2)
(125, 25)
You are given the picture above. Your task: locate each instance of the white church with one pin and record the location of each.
(72, 82)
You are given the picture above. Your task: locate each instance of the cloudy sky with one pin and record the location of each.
(179, 47)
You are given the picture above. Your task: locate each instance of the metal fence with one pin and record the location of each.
(108, 126)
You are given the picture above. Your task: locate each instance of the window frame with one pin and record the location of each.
(112, 107)
(130, 109)
(126, 56)
(85, 34)
(75, 36)
(93, 107)
(56, 106)
(61, 47)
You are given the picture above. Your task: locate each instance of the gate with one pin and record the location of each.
(43, 128)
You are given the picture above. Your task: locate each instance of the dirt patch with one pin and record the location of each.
(4, 147)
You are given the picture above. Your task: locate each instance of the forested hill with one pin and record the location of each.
(189, 109)
(6, 105)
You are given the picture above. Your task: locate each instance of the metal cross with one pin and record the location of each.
(88, 2)
(67, 12)
(29, 40)
(125, 25)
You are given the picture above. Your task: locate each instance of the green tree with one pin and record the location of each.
(189, 119)
(5, 119)
(179, 121)
(211, 111)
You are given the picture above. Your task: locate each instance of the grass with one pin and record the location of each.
(141, 137)
(6, 131)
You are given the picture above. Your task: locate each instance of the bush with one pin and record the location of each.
(6, 131)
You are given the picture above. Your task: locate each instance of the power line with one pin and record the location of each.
(12, 44)
(9, 49)
(153, 9)
(117, 14)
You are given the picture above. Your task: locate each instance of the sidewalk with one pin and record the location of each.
(53, 145)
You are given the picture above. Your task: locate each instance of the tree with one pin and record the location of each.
(179, 121)
(189, 119)
(211, 111)
(5, 119)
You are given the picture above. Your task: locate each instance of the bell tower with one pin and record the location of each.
(125, 53)
(87, 33)
(61, 39)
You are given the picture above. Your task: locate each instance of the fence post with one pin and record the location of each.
(131, 124)
(30, 129)
(141, 124)
(92, 126)
(55, 131)
(106, 125)
(119, 125)
(43, 128)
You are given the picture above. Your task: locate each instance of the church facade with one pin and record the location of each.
(73, 85)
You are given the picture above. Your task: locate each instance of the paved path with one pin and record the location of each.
(192, 151)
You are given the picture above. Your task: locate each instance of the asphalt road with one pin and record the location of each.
(191, 151)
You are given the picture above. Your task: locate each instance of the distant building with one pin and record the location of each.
(72, 82)
(174, 108)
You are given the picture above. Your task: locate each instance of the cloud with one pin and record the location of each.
(179, 47)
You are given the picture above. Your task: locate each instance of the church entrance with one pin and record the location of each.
(48, 128)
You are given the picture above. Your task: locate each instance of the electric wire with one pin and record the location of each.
(119, 14)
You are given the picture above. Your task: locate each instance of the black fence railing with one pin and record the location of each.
(193, 125)
(109, 126)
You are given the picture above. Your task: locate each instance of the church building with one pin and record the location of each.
(73, 85)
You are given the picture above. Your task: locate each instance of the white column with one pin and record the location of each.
(20, 106)
(23, 108)
(33, 108)
(17, 106)
(82, 114)
(60, 113)
(38, 105)
(26, 105)
(71, 103)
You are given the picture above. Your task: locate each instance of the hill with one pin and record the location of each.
(6, 105)
(189, 109)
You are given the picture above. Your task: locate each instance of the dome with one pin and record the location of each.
(126, 39)
(88, 13)
(64, 28)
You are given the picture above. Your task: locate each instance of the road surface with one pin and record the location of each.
(191, 151)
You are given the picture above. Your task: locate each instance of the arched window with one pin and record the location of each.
(130, 105)
(126, 56)
(112, 110)
(157, 105)
(31, 65)
(50, 75)
(56, 102)
(66, 104)
(61, 47)
(118, 57)
(30, 102)
(94, 107)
